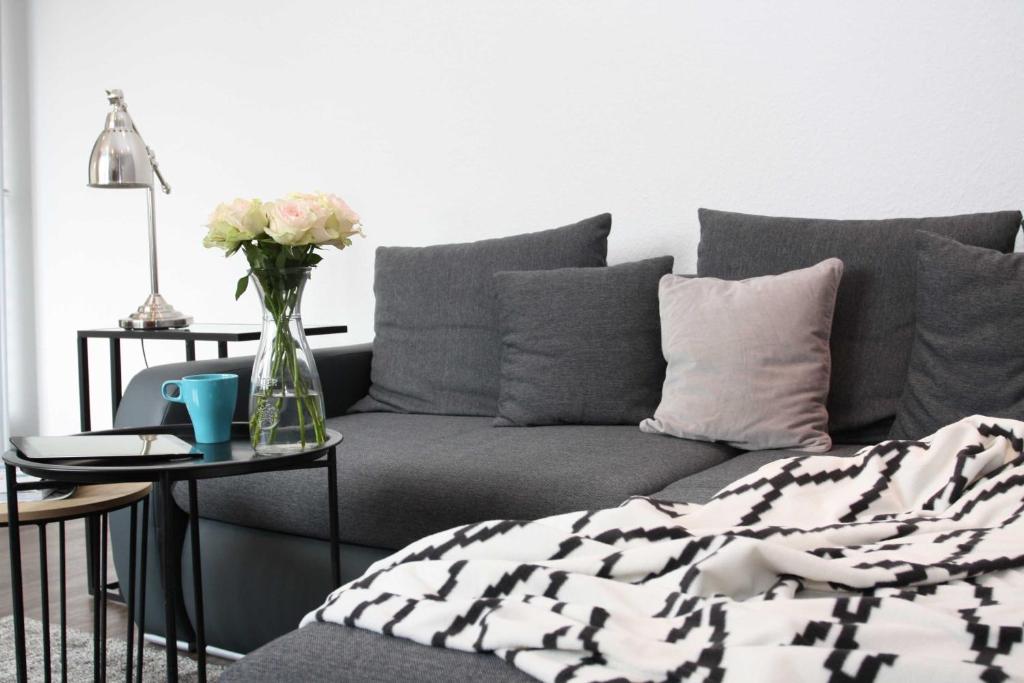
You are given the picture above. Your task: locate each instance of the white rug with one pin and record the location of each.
(80, 656)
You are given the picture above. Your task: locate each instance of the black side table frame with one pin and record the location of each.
(164, 476)
(220, 333)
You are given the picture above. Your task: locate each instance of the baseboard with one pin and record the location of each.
(184, 647)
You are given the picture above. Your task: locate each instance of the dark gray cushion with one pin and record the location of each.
(437, 346)
(402, 476)
(968, 353)
(326, 652)
(874, 317)
(580, 345)
(700, 487)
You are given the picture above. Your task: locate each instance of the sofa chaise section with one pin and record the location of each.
(326, 652)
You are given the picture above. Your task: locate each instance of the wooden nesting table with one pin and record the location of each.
(91, 502)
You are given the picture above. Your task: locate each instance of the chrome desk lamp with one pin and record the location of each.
(119, 160)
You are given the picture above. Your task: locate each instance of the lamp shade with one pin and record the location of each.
(119, 158)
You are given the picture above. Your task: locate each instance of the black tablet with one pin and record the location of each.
(112, 449)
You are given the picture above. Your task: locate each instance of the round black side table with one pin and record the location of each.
(212, 460)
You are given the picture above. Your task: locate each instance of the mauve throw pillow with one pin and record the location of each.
(437, 348)
(968, 353)
(749, 360)
(580, 345)
(874, 320)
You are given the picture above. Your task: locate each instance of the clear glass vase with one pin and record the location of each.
(286, 406)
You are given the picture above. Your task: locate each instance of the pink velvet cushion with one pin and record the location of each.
(748, 360)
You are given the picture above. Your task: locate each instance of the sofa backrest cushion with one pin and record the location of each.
(437, 347)
(581, 345)
(967, 357)
(874, 317)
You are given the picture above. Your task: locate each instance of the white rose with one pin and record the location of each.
(239, 220)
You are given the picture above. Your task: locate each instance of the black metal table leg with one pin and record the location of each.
(14, 541)
(222, 349)
(92, 537)
(63, 609)
(130, 644)
(142, 585)
(96, 607)
(172, 578)
(197, 579)
(44, 598)
(85, 417)
(190, 350)
(103, 597)
(115, 376)
(332, 506)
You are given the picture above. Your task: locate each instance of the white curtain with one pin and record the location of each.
(19, 409)
(4, 432)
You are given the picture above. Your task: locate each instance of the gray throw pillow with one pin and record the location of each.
(437, 348)
(968, 353)
(580, 345)
(874, 321)
(748, 361)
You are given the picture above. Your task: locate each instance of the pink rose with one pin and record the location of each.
(342, 224)
(291, 221)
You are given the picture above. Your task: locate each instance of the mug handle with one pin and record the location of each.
(167, 397)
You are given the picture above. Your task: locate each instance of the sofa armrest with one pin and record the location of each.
(344, 374)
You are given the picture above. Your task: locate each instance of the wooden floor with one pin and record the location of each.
(79, 602)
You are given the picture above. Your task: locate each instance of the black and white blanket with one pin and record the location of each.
(902, 563)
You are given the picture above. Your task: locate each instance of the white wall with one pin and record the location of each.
(443, 120)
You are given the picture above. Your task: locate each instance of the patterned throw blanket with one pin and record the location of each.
(902, 563)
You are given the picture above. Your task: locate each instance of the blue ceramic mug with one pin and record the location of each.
(210, 400)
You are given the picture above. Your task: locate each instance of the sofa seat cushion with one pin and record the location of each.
(403, 476)
(700, 487)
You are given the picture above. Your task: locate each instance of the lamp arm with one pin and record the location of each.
(156, 169)
(152, 162)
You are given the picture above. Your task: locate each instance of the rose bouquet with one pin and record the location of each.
(281, 241)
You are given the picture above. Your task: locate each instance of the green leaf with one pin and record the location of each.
(243, 283)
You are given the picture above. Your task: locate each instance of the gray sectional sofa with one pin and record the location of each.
(404, 475)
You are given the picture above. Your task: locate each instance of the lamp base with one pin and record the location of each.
(155, 314)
